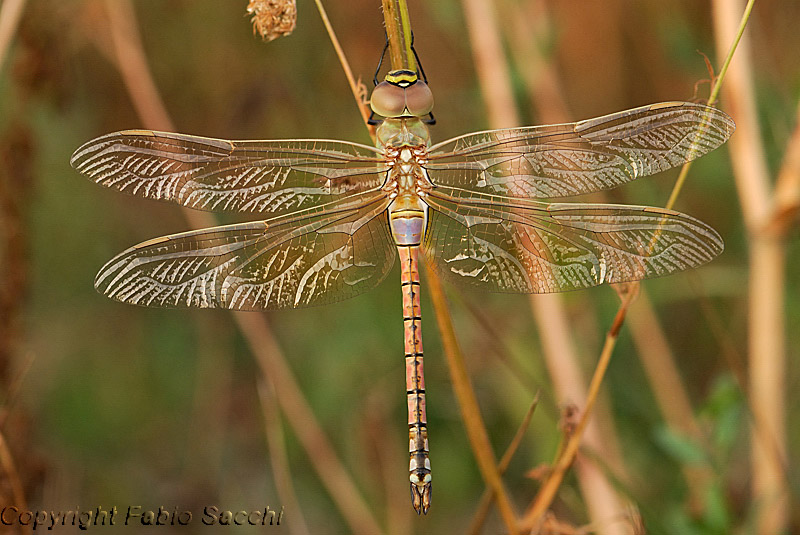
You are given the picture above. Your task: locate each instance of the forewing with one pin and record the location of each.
(575, 158)
(267, 177)
(288, 262)
(532, 247)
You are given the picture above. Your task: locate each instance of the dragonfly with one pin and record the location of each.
(335, 215)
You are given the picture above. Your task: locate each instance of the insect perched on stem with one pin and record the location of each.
(335, 213)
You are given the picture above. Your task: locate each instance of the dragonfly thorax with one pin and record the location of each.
(405, 144)
(403, 132)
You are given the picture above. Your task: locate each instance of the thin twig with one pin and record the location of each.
(279, 460)
(487, 498)
(546, 494)
(548, 491)
(652, 347)
(712, 99)
(132, 63)
(363, 107)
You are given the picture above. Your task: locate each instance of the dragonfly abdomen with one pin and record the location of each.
(419, 463)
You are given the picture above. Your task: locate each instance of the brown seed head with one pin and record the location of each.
(273, 18)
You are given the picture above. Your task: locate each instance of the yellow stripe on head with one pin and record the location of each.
(401, 77)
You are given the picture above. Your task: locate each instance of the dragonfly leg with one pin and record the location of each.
(419, 464)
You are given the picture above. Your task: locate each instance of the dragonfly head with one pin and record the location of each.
(402, 94)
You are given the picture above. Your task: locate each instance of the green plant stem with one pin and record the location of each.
(398, 33)
(676, 189)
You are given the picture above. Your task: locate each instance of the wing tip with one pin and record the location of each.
(82, 154)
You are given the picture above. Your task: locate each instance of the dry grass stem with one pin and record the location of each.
(787, 187)
(746, 147)
(766, 351)
(544, 498)
(546, 95)
(468, 404)
(10, 15)
(273, 18)
(494, 78)
(355, 86)
(132, 63)
(278, 458)
(490, 63)
(732, 44)
(526, 33)
(335, 477)
(487, 498)
(10, 469)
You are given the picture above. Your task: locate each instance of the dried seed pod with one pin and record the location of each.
(273, 18)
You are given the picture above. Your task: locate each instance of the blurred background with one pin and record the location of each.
(105, 404)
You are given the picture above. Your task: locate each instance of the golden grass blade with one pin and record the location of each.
(468, 404)
(398, 33)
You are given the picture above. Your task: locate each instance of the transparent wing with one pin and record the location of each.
(571, 159)
(317, 257)
(513, 245)
(268, 177)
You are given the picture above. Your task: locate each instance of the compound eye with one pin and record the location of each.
(388, 100)
(419, 99)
